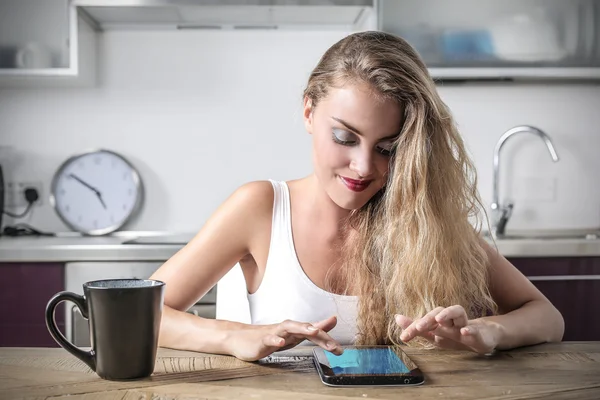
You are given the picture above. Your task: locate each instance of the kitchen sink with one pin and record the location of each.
(553, 235)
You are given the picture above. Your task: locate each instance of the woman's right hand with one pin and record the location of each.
(254, 342)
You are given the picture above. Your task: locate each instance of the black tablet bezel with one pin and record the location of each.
(328, 377)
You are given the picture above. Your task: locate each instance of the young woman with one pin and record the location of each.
(377, 246)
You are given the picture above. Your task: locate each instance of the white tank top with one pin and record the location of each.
(286, 292)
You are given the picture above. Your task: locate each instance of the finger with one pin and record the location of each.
(451, 333)
(403, 321)
(410, 333)
(473, 337)
(450, 344)
(428, 322)
(470, 330)
(293, 329)
(429, 336)
(453, 316)
(421, 325)
(273, 341)
(326, 324)
(469, 337)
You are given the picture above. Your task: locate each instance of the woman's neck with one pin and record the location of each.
(318, 206)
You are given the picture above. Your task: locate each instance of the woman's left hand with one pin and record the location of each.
(450, 328)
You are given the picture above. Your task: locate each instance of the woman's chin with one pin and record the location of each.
(351, 202)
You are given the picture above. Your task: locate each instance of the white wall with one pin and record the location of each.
(199, 113)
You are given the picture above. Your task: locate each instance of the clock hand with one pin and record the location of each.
(87, 185)
(84, 183)
(101, 201)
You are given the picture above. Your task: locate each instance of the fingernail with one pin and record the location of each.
(467, 330)
(331, 345)
(312, 328)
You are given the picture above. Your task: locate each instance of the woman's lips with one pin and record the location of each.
(355, 185)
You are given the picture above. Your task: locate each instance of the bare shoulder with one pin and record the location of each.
(249, 211)
(254, 199)
(256, 192)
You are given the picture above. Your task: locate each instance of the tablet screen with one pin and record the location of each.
(369, 361)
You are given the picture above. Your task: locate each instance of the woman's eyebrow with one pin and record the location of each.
(353, 129)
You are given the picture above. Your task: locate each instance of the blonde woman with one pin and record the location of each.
(377, 246)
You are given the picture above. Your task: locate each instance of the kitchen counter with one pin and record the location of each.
(550, 371)
(156, 246)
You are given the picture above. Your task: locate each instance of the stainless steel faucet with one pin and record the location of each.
(500, 213)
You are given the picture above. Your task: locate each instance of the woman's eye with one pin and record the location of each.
(343, 137)
(385, 148)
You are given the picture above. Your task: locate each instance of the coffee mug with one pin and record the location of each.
(33, 55)
(124, 319)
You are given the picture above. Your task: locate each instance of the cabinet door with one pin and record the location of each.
(572, 284)
(24, 292)
(35, 34)
(45, 43)
(475, 39)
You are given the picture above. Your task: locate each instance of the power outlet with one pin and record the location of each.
(15, 194)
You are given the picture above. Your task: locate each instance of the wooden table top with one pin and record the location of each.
(568, 370)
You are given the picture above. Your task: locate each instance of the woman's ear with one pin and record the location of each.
(308, 115)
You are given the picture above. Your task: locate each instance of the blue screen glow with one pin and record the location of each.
(366, 361)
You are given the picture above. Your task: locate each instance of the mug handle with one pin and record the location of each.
(20, 57)
(88, 357)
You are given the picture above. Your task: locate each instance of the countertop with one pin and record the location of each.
(160, 246)
(568, 370)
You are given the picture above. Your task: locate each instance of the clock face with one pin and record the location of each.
(96, 192)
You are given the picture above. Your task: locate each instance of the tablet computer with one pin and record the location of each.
(367, 366)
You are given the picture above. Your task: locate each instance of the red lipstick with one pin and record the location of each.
(355, 185)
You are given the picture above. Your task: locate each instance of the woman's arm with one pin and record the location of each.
(231, 233)
(190, 273)
(526, 315)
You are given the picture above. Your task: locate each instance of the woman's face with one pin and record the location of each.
(352, 133)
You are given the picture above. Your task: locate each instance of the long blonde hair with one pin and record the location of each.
(413, 246)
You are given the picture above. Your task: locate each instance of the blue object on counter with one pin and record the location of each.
(464, 45)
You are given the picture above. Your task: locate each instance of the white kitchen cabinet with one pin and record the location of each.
(45, 43)
(500, 39)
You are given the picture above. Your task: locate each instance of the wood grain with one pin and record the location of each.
(569, 370)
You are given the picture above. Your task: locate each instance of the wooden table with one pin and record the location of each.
(569, 370)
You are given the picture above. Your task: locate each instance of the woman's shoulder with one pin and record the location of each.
(253, 199)
(256, 193)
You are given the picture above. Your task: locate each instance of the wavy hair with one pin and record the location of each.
(415, 245)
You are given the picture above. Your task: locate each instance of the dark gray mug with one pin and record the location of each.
(124, 318)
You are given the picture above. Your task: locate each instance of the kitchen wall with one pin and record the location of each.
(201, 112)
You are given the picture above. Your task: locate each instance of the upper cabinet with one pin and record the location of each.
(500, 39)
(44, 42)
(230, 14)
(53, 42)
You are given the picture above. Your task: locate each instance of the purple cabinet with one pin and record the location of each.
(572, 284)
(25, 289)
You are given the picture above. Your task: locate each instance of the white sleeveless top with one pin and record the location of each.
(286, 292)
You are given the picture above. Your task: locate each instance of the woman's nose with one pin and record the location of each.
(362, 164)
